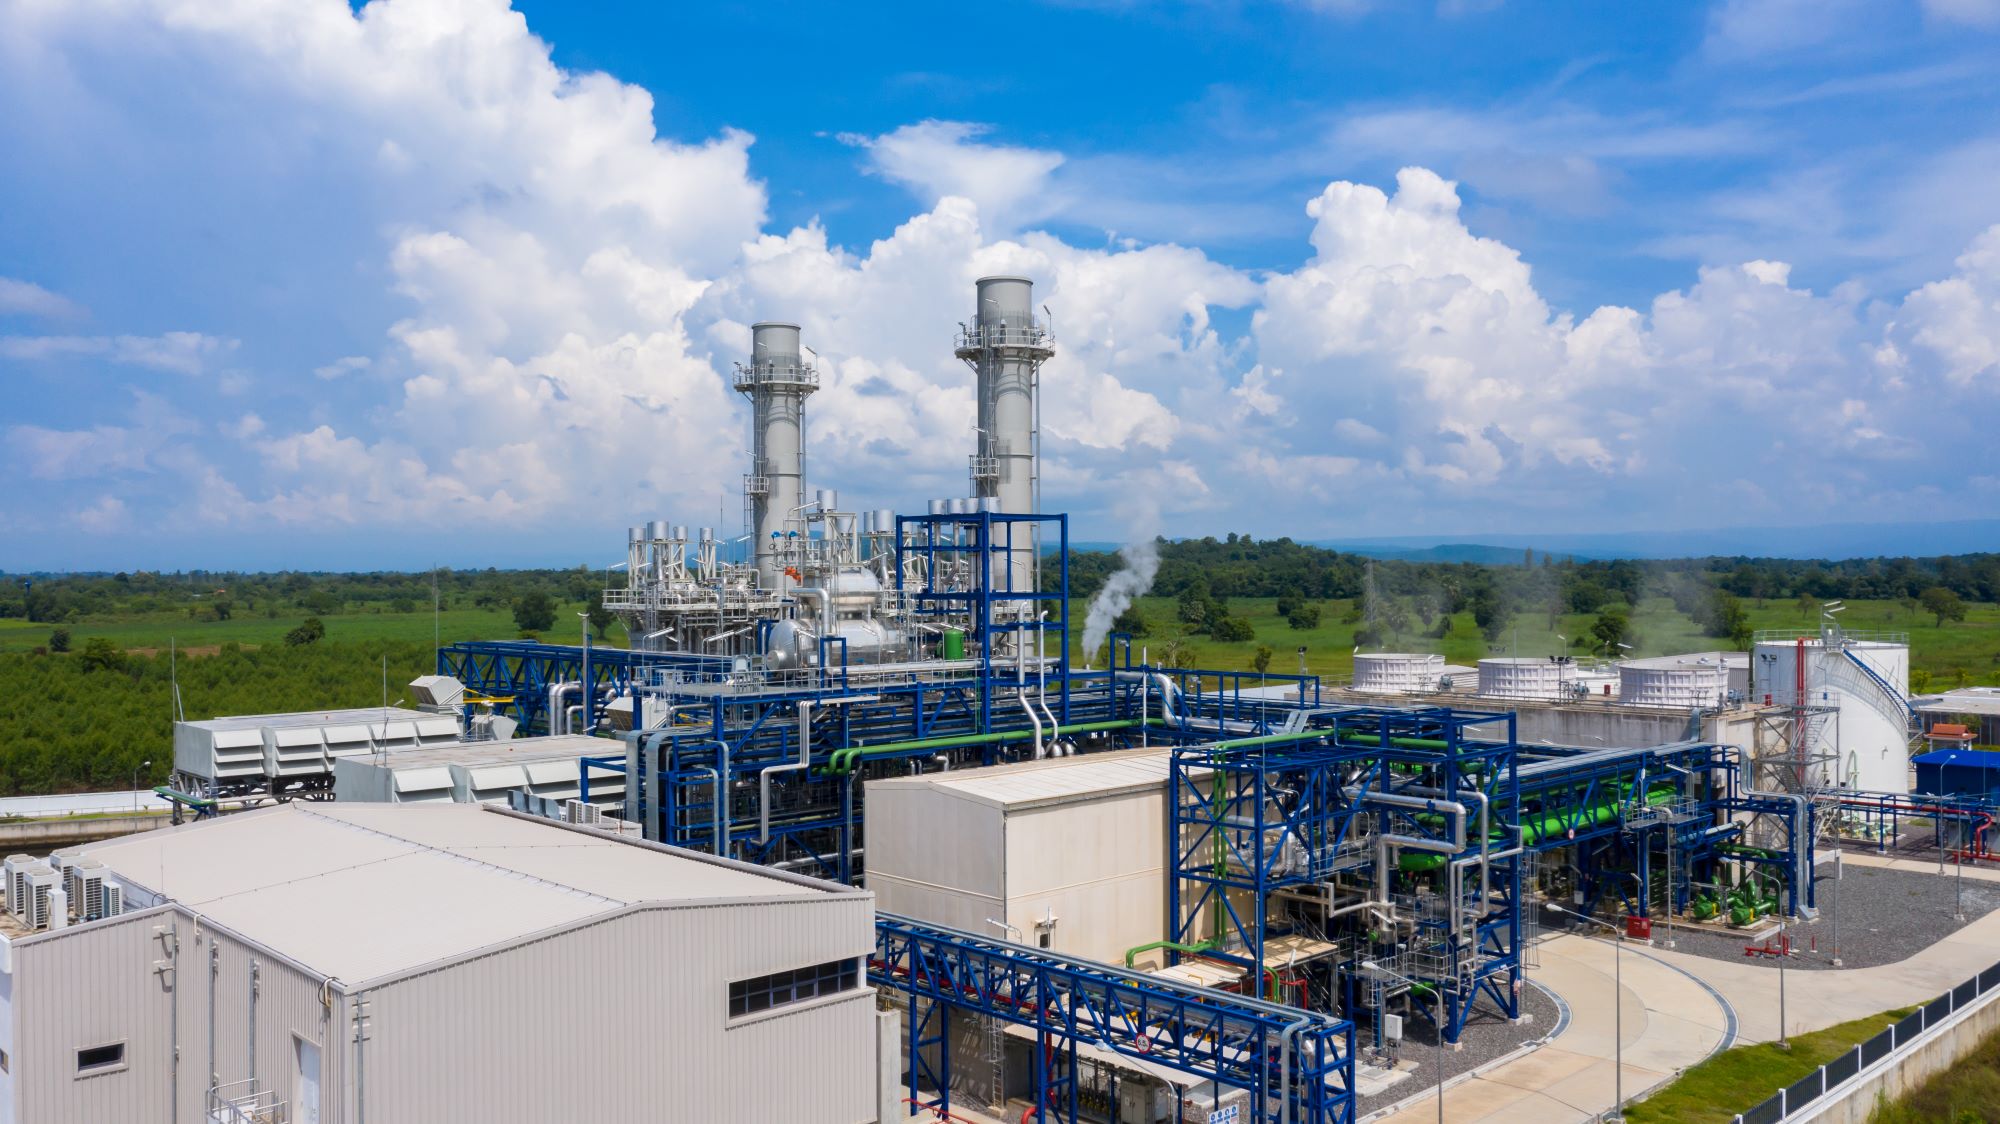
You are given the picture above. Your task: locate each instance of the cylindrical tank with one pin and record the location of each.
(1524, 677)
(1397, 673)
(777, 382)
(828, 499)
(940, 507)
(1863, 684)
(1680, 682)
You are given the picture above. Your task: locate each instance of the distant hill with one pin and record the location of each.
(1482, 553)
(1832, 541)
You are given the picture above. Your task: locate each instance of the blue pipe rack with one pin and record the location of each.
(1296, 1065)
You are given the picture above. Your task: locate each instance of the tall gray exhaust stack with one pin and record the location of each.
(777, 381)
(1005, 346)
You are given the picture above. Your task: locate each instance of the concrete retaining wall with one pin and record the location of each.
(1907, 1067)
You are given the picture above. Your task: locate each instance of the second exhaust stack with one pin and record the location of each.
(1006, 346)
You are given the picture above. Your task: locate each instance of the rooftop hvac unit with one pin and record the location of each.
(114, 900)
(437, 691)
(16, 869)
(85, 883)
(41, 889)
(586, 815)
(492, 728)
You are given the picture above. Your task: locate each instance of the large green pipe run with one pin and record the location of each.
(844, 760)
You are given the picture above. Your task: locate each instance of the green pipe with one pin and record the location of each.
(1132, 954)
(843, 760)
(183, 797)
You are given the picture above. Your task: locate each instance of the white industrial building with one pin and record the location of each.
(272, 752)
(481, 772)
(376, 964)
(1068, 853)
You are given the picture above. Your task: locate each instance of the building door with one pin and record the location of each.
(305, 1081)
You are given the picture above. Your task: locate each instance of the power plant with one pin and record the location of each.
(1124, 893)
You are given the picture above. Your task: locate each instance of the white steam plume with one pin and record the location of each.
(1142, 561)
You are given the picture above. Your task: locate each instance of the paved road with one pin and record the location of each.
(1670, 1021)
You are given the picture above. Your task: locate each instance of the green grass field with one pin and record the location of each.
(1716, 1090)
(1961, 653)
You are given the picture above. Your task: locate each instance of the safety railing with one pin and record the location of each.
(1827, 1079)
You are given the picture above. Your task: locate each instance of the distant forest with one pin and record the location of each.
(1205, 573)
(86, 675)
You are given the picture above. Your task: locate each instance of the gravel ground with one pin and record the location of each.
(1487, 1037)
(1885, 916)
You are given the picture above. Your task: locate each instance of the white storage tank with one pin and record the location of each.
(1525, 677)
(1397, 673)
(1864, 680)
(1680, 682)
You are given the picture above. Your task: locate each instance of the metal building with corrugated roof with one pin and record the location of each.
(374, 963)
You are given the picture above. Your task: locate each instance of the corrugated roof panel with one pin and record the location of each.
(363, 890)
(1051, 780)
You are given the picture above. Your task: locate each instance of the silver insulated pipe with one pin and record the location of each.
(776, 381)
(1005, 346)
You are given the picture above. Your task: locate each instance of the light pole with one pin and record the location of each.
(1617, 1008)
(143, 766)
(1784, 954)
(1438, 1024)
(1673, 829)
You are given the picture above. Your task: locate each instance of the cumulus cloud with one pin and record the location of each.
(1957, 319)
(938, 159)
(567, 288)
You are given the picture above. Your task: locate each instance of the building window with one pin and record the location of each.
(747, 997)
(97, 1059)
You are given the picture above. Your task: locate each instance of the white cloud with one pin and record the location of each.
(24, 298)
(1970, 13)
(341, 368)
(1762, 28)
(938, 159)
(1957, 319)
(108, 514)
(186, 353)
(569, 288)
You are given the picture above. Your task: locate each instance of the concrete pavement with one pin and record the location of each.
(1669, 1022)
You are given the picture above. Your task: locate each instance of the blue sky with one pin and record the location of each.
(299, 284)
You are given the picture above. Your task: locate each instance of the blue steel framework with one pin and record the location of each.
(1259, 816)
(1296, 1065)
(523, 671)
